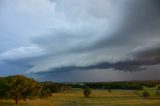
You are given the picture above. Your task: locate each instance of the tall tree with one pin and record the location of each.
(20, 87)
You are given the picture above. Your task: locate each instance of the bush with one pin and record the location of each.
(109, 89)
(87, 92)
(157, 92)
(145, 94)
(158, 88)
(46, 93)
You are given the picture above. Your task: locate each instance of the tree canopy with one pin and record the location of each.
(19, 88)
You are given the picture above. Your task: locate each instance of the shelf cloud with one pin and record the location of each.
(43, 38)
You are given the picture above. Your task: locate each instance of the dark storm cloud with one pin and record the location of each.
(121, 66)
(98, 75)
(142, 58)
(140, 17)
(65, 36)
(148, 53)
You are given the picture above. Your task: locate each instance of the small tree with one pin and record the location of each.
(109, 89)
(87, 92)
(145, 94)
(158, 88)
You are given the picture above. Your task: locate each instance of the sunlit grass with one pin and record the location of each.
(98, 98)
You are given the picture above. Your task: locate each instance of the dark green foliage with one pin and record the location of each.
(145, 94)
(128, 85)
(109, 89)
(3, 88)
(19, 88)
(56, 87)
(157, 92)
(87, 92)
(46, 93)
(158, 88)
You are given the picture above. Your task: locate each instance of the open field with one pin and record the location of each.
(98, 98)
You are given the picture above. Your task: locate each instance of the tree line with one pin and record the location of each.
(127, 85)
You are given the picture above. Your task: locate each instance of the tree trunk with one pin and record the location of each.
(16, 101)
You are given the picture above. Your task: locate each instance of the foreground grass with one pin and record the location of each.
(98, 98)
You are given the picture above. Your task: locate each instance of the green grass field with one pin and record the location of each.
(98, 98)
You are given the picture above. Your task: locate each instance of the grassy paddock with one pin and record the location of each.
(151, 91)
(98, 98)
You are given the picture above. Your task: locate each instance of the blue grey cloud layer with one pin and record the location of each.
(43, 38)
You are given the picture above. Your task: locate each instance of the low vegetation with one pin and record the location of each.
(158, 88)
(145, 94)
(109, 89)
(29, 92)
(98, 98)
(130, 85)
(20, 88)
(87, 92)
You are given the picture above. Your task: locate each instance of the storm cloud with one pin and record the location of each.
(43, 38)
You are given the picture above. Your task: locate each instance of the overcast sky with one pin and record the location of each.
(80, 40)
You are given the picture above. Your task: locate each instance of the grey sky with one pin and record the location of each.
(60, 39)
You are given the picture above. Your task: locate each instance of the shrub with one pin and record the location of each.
(158, 88)
(157, 92)
(87, 92)
(46, 93)
(109, 89)
(145, 94)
